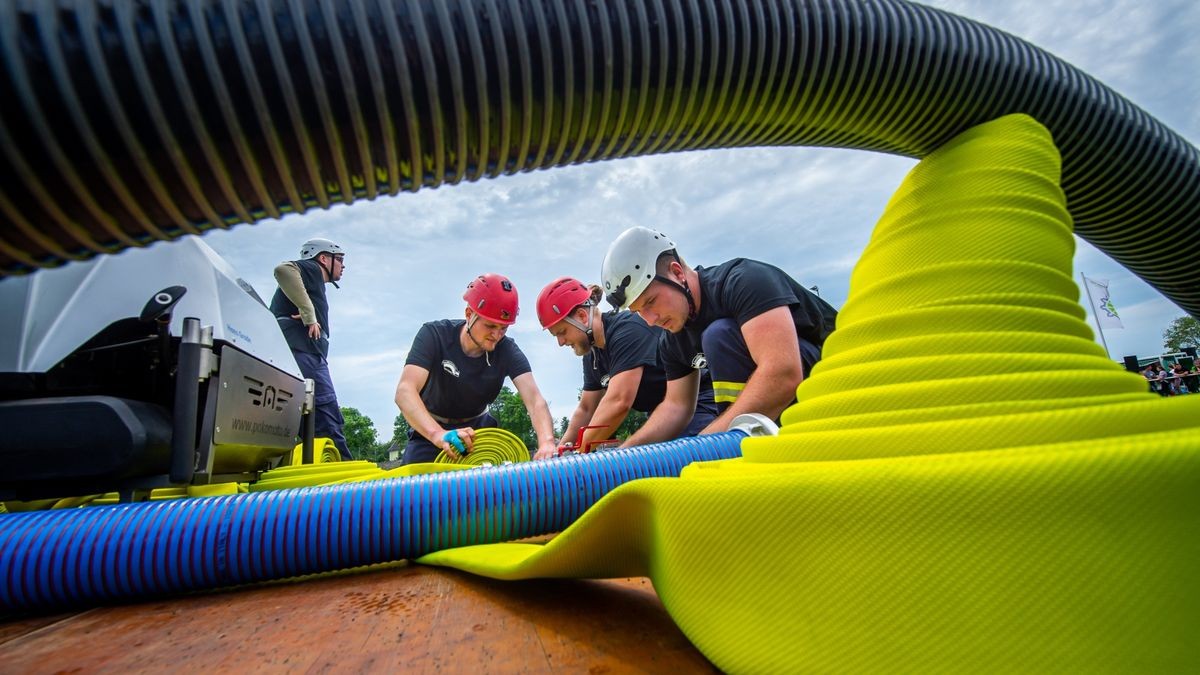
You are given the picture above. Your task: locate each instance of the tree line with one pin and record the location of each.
(1182, 332)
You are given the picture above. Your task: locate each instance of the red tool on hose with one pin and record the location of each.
(579, 447)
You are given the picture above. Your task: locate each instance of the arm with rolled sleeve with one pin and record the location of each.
(770, 337)
(287, 275)
(614, 407)
(588, 401)
(408, 399)
(539, 415)
(422, 356)
(670, 417)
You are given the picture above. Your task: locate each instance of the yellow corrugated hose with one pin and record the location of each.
(967, 482)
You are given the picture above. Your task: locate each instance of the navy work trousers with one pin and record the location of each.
(329, 420)
(729, 360)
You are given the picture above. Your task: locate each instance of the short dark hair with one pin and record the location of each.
(665, 259)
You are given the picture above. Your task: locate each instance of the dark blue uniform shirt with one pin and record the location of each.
(742, 289)
(461, 386)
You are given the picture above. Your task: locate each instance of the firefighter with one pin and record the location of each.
(620, 367)
(757, 329)
(455, 370)
(302, 310)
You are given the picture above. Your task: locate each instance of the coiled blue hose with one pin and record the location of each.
(86, 556)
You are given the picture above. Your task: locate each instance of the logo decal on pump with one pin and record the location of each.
(266, 396)
(449, 367)
(699, 362)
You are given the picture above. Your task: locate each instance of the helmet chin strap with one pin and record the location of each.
(681, 287)
(470, 325)
(328, 271)
(587, 330)
(687, 293)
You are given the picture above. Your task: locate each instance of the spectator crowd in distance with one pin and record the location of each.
(1173, 382)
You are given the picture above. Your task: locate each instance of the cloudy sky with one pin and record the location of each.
(809, 211)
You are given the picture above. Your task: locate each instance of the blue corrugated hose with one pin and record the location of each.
(86, 556)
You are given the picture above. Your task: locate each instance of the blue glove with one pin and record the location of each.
(452, 436)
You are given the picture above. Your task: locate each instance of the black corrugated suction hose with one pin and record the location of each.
(127, 122)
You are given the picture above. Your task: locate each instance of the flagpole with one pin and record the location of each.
(1095, 314)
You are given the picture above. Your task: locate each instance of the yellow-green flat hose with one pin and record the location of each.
(311, 475)
(407, 470)
(966, 482)
(493, 446)
(324, 451)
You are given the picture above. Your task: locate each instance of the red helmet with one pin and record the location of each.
(493, 297)
(559, 298)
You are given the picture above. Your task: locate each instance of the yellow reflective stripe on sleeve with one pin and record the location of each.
(727, 392)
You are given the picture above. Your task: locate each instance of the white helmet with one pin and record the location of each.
(315, 247)
(629, 265)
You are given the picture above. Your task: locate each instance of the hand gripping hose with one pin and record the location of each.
(130, 122)
(493, 446)
(455, 440)
(107, 553)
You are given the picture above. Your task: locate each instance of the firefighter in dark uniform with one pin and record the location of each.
(302, 310)
(620, 362)
(455, 370)
(758, 330)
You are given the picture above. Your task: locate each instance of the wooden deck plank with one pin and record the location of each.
(405, 617)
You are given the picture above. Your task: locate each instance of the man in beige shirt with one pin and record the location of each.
(302, 310)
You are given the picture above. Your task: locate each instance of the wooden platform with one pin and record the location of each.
(402, 618)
